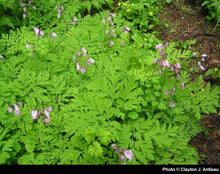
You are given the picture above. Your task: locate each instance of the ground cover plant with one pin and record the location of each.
(82, 83)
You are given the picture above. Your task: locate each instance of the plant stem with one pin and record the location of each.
(164, 76)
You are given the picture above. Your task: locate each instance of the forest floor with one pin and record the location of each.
(185, 20)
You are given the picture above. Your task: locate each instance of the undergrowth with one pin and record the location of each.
(97, 90)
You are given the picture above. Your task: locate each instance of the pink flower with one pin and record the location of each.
(46, 120)
(28, 46)
(103, 20)
(34, 7)
(164, 63)
(34, 114)
(201, 67)
(83, 70)
(112, 14)
(22, 4)
(110, 43)
(74, 57)
(42, 33)
(177, 65)
(159, 46)
(9, 109)
(172, 104)
(84, 51)
(50, 109)
(77, 66)
(79, 53)
(53, 34)
(91, 60)
(17, 110)
(166, 92)
(182, 85)
(24, 15)
(46, 113)
(156, 60)
(128, 154)
(114, 146)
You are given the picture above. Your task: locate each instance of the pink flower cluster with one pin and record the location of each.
(16, 108)
(89, 61)
(123, 153)
(35, 114)
(23, 4)
(60, 10)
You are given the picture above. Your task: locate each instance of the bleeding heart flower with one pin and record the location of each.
(34, 114)
(128, 154)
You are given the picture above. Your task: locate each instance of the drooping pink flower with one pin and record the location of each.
(22, 4)
(46, 120)
(79, 53)
(53, 34)
(42, 33)
(46, 113)
(155, 60)
(182, 85)
(84, 51)
(17, 110)
(112, 14)
(24, 15)
(159, 46)
(9, 109)
(34, 114)
(74, 57)
(164, 63)
(83, 70)
(177, 65)
(77, 66)
(50, 109)
(166, 92)
(34, 7)
(172, 104)
(114, 146)
(91, 60)
(201, 67)
(128, 154)
(28, 46)
(103, 20)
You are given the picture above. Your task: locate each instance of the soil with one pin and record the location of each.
(185, 20)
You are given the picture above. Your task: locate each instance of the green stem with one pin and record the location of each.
(164, 76)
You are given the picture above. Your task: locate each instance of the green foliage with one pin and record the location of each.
(10, 16)
(118, 99)
(214, 9)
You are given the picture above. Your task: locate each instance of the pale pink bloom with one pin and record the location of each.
(75, 19)
(1, 57)
(42, 33)
(24, 9)
(91, 60)
(109, 18)
(58, 15)
(22, 4)
(164, 63)
(24, 15)
(46, 113)
(172, 104)
(112, 24)
(182, 85)
(171, 68)
(28, 46)
(56, 7)
(9, 109)
(156, 60)
(127, 28)
(112, 14)
(53, 34)
(201, 67)
(73, 23)
(159, 46)
(114, 146)
(194, 54)
(34, 8)
(128, 154)
(46, 120)
(79, 53)
(50, 109)
(166, 92)
(103, 20)
(77, 66)
(34, 114)
(83, 70)
(74, 57)
(177, 65)
(122, 43)
(84, 51)
(160, 72)
(110, 43)
(122, 158)
(17, 110)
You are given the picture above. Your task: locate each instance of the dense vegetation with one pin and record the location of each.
(83, 82)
